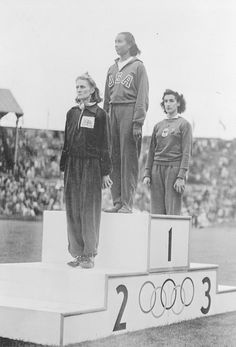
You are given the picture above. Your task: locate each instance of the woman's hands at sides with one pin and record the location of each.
(106, 182)
(179, 185)
(147, 181)
(137, 131)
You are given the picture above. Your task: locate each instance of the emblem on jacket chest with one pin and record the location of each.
(165, 132)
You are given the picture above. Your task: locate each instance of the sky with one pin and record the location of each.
(187, 45)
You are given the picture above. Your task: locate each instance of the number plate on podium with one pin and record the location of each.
(169, 242)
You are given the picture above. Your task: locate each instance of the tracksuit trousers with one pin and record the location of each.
(82, 187)
(164, 198)
(124, 154)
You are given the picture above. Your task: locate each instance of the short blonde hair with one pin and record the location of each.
(95, 97)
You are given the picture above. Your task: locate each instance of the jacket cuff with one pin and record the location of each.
(137, 125)
(147, 173)
(182, 173)
(139, 116)
(105, 169)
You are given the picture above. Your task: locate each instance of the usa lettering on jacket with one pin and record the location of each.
(119, 78)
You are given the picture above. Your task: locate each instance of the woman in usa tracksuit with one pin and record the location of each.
(86, 164)
(126, 101)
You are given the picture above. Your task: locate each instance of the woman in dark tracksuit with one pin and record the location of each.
(126, 101)
(168, 157)
(86, 164)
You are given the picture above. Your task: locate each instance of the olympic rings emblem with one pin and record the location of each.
(168, 296)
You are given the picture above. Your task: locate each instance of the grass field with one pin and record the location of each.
(22, 242)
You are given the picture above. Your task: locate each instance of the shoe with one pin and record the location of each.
(124, 209)
(76, 261)
(87, 263)
(113, 209)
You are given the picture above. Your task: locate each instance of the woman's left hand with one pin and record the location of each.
(137, 131)
(179, 185)
(106, 182)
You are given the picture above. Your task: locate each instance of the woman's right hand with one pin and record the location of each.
(147, 181)
(106, 182)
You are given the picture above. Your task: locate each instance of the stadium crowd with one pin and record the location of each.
(210, 196)
(36, 184)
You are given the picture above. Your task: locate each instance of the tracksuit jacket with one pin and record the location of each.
(84, 142)
(128, 86)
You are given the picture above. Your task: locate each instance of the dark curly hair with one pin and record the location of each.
(95, 97)
(179, 98)
(129, 38)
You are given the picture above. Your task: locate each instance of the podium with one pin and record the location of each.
(169, 243)
(142, 278)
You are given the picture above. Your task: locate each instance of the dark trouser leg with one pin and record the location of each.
(157, 190)
(91, 205)
(116, 158)
(72, 189)
(83, 205)
(130, 151)
(173, 200)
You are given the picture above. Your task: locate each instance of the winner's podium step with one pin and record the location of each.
(142, 278)
(127, 241)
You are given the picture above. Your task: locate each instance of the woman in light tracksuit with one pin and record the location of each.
(126, 101)
(168, 156)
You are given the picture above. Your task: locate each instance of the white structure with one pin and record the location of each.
(142, 279)
(169, 243)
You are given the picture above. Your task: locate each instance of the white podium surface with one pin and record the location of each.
(123, 241)
(142, 278)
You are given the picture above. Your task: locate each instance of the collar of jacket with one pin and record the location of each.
(129, 62)
(90, 108)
